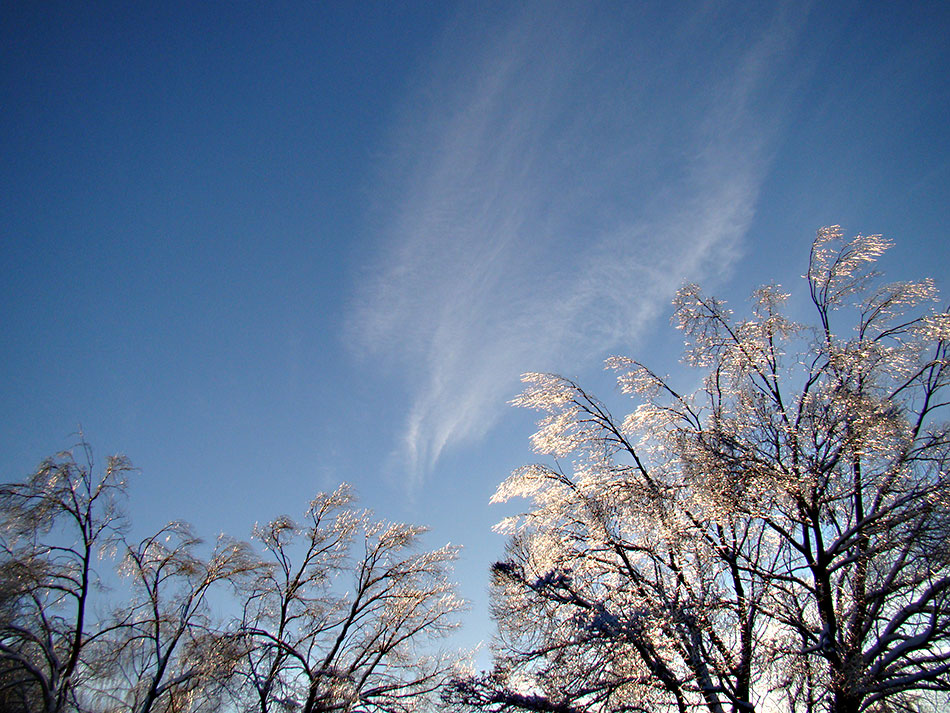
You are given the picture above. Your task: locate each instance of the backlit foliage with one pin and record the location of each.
(54, 527)
(340, 617)
(777, 540)
(335, 614)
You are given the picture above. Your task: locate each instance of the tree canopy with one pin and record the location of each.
(337, 613)
(777, 539)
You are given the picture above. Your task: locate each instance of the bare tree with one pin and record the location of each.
(304, 640)
(316, 647)
(776, 539)
(53, 528)
(169, 654)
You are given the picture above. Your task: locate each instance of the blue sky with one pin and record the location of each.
(262, 248)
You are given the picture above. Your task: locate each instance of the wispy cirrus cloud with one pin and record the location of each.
(559, 177)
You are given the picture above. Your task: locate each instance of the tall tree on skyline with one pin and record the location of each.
(340, 613)
(776, 540)
(341, 617)
(171, 650)
(54, 526)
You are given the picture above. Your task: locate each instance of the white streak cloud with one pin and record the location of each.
(559, 177)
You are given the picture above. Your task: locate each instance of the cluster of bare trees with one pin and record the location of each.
(329, 614)
(776, 540)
